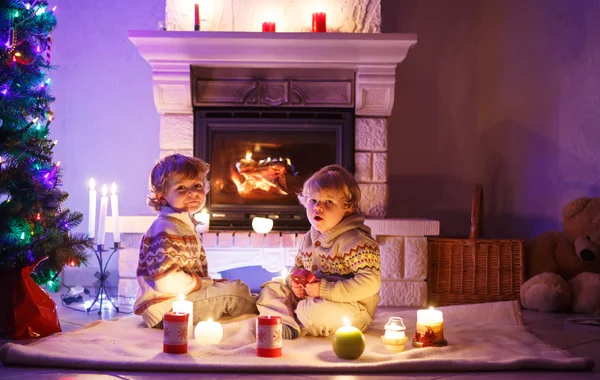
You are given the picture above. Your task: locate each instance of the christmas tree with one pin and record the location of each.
(34, 228)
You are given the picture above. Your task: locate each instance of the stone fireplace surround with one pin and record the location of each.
(371, 57)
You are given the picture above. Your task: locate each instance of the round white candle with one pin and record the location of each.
(114, 209)
(183, 306)
(204, 218)
(92, 210)
(102, 217)
(262, 225)
(208, 332)
(281, 278)
(429, 316)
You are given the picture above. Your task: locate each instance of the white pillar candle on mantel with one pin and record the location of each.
(114, 209)
(203, 218)
(183, 306)
(102, 216)
(92, 210)
(208, 332)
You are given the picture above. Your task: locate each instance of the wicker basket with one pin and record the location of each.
(473, 270)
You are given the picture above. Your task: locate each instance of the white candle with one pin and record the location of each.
(281, 278)
(262, 225)
(183, 306)
(92, 210)
(430, 328)
(208, 332)
(102, 220)
(203, 217)
(393, 335)
(114, 209)
(429, 317)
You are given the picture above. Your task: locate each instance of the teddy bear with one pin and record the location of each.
(564, 267)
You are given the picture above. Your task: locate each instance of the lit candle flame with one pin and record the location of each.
(346, 322)
(92, 184)
(113, 188)
(181, 297)
(104, 190)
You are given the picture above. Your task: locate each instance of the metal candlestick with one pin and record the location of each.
(102, 276)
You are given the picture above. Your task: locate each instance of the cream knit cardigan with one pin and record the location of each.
(346, 259)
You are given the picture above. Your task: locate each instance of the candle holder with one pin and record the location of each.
(395, 337)
(102, 276)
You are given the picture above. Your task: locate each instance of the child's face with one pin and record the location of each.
(185, 194)
(324, 210)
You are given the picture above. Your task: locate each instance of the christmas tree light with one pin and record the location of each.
(33, 225)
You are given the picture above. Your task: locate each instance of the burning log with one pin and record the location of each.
(265, 175)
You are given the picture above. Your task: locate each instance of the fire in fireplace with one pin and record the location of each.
(261, 157)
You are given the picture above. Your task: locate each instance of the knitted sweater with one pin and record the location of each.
(346, 260)
(172, 261)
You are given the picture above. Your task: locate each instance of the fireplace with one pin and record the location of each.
(229, 68)
(260, 157)
(280, 71)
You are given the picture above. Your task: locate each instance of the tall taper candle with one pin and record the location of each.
(92, 210)
(102, 216)
(196, 17)
(114, 212)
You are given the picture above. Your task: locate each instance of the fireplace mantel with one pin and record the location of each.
(374, 57)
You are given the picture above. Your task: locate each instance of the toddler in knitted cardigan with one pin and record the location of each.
(172, 260)
(340, 253)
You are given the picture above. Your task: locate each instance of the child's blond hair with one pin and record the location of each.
(172, 168)
(334, 179)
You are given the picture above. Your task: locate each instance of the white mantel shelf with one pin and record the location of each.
(374, 56)
(160, 48)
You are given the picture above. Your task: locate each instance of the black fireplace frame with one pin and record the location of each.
(239, 217)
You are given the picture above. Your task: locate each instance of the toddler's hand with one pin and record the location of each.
(298, 290)
(313, 289)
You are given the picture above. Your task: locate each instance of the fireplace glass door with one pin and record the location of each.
(260, 159)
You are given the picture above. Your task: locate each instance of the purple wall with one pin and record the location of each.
(105, 119)
(500, 92)
(505, 93)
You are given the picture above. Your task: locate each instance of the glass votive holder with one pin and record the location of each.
(395, 337)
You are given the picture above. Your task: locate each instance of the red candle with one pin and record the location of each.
(175, 333)
(269, 336)
(268, 26)
(196, 17)
(319, 22)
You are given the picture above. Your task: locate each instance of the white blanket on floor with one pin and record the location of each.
(480, 337)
